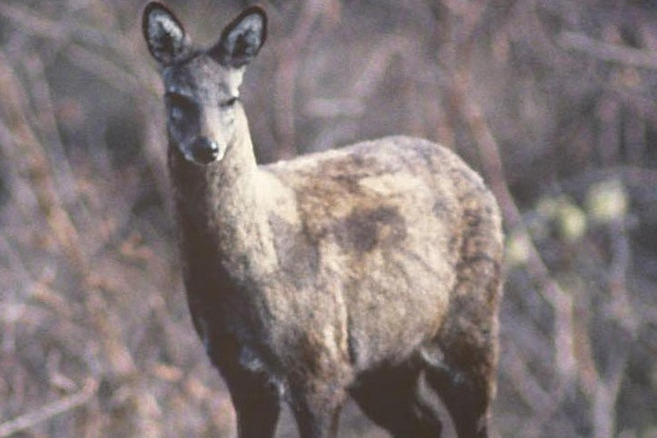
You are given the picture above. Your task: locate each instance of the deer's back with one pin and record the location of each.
(381, 229)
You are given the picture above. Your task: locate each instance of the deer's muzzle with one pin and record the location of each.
(205, 150)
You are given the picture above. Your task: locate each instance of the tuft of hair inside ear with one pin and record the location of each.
(165, 29)
(244, 47)
(241, 40)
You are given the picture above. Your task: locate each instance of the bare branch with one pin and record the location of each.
(50, 410)
(607, 52)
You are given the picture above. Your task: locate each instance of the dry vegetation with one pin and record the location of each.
(554, 102)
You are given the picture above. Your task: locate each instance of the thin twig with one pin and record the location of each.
(607, 52)
(49, 410)
(619, 312)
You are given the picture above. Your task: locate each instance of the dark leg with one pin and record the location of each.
(255, 398)
(257, 407)
(390, 398)
(466, 395)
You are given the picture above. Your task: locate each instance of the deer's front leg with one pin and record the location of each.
(255, 397)
(257, 406)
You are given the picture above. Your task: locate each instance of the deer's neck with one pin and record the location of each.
(222, 218)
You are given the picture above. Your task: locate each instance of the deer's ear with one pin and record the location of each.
(165, 36)
(242, 38)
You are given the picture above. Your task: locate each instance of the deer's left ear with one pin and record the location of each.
(165, 36)
(242, 38)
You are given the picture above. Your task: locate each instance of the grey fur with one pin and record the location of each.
(361, 271)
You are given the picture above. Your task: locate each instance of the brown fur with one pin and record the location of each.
(355, 271)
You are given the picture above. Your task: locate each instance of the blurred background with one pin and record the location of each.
(551, 100)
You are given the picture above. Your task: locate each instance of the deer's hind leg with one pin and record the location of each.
(466, 392)
(390, 397)
(462, 368)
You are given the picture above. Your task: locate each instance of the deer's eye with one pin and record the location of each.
(231, 101)
(179, 106)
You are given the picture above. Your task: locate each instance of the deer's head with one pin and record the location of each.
(202, 86)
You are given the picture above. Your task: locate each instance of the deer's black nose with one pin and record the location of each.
(205, 150)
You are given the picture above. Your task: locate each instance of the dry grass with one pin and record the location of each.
(553, 102)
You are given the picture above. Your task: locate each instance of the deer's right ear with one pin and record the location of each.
(165, 36)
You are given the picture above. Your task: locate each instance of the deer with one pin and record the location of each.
(371, 271)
